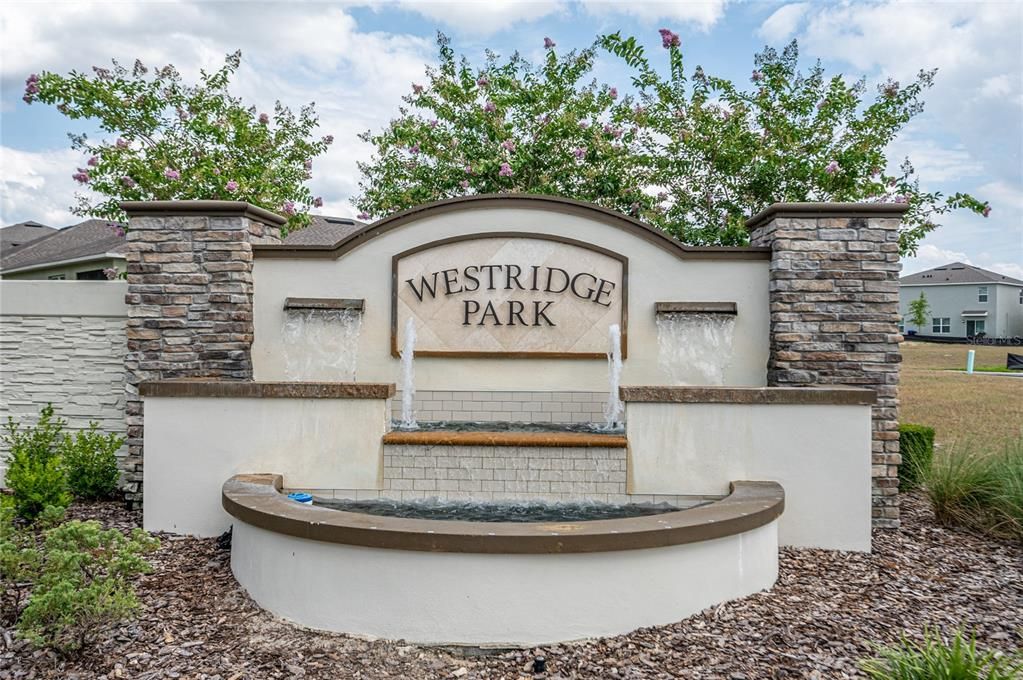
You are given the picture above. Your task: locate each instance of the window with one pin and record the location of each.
(1021, 296)
(941, 324)
(982, 294)
(91, 275)
(61, 277)
(975, 327)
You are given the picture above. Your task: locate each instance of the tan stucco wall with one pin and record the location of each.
(193, 445)
(654, 275)
(68, 271)
(820, 454)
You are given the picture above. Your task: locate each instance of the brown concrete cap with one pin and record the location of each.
(201, 209)
(696, 308)
(213, 389)
(538, 439)
(748, 395)
(812, 210)
(357, 304)
(256, 500)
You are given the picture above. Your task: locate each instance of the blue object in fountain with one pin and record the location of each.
(304, 498)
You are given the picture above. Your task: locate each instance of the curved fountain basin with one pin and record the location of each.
(504, 583)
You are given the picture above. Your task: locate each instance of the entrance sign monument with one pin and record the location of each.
(759, 387)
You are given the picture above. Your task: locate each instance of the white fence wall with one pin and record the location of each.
(63, 342)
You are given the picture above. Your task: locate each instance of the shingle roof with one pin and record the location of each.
(323, 231)
(19, 234)
(89, 238)
(957, 272)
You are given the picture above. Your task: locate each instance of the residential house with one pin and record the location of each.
(964, 301)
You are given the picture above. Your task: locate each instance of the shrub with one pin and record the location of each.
(980, 490)
(84, 584)
(916, 443)
(34, 470)
(90, 459)
(933, 659)
(19, 556)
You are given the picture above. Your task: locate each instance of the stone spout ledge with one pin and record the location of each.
(256, 499)
(538, 439)
(748, 395)
(227, 389)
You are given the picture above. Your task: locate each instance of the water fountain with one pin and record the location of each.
(695, 348)
(408, 377)
(321, 344)
(614, 407)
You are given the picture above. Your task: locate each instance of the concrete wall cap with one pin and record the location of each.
(256, 499)
(244, 389)
(748, 395)
(201, 209)
(810, 210)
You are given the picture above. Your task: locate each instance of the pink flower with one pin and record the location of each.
(669, 39)
(468, 170)
(433, 123)
(613, 92)
(509, 145)
(821, 104)
(110, 273)
(318, 202)
(288, 208)
(831, 168)
(874, 172)
(579, 152)
(548, 43)
(482, 82)
(464, 184)
(121, 144)
(128, 182)
(328, 140)
(102, 73)
(308, 164)
(93, 161)
(584, 124)
(900, 199)
(264, 118)
(662, 196)
(82, 176)
(31, 88)
(490, 107)
(363, 216)
(418, 89)
(891, 88)
(117, 229)
(170, 173)
(638, 111)
(216, 171)
(414, 149)
(231, 186)
(505, 171)
(986, 211)
(757, 76)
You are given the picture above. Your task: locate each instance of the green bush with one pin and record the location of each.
(34, 470)
(91, 462)
(83, 584)
(916, 444)
(980, 490)
(933, 659)
(20, 557)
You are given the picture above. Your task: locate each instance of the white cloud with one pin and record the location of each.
(37, 186)
(780, 26)
(702, 13)
(483, 17)
(1013, 269)
(930, 256)
(998, 86)
(933, 162)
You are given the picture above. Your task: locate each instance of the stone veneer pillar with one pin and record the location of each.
(189, 299)
(834, 294)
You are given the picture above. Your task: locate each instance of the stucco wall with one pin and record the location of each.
(820, 454)
(654, 275)
(63, 342)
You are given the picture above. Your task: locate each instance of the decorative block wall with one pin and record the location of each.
(190, 299)
(834, 295)
(506, 406)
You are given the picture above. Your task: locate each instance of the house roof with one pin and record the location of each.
(957, 272)
(17, 235)
(88, 239)
(97, 238)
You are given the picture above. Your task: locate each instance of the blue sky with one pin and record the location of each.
(355, 60)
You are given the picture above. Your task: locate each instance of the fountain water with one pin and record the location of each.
(408, 376)
(321, 344)
(614, 407)
(695, 348)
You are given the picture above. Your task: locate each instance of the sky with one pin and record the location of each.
(356, 59)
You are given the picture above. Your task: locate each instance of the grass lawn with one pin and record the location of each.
(985, 410)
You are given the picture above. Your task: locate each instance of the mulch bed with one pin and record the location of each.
(819, 619)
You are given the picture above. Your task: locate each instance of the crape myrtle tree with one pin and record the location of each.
(694, 155)
(171, 140)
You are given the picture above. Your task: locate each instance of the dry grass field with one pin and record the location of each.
(982, 410)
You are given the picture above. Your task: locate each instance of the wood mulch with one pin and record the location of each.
(819, 619)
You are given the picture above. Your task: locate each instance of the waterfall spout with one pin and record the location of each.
(695, 348)
(408, 377)
(614, 407)
(321, 344)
